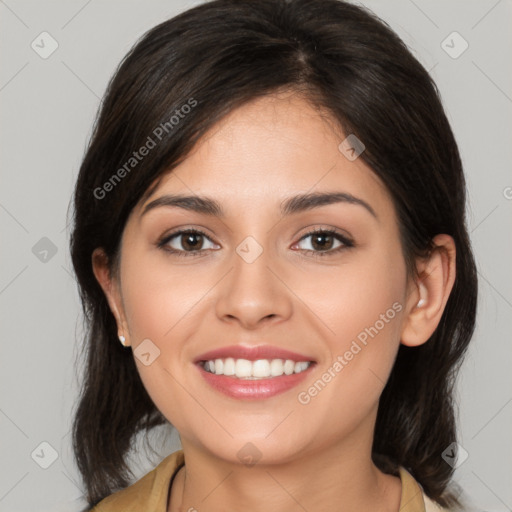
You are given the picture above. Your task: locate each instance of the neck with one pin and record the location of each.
(339, 477)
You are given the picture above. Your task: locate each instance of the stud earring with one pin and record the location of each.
(421, 302)
(122, 339)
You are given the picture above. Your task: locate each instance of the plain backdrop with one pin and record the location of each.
(48, 104)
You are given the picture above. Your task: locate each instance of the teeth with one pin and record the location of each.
(289, 367)
(298, 368)
(229, 366)
(252, 370)
(243, 368)
(261, 368)
(276, 368)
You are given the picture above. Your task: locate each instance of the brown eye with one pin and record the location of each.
(191, 241)
(324, 241)
(187, 241)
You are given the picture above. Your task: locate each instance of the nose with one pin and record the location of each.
(254, 293)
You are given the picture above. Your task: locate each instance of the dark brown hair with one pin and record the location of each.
(220, 55)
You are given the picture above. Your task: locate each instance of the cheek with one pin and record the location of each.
(364, 291)
(362, 313)
(157, 297)
(162, 304)
(166, 304)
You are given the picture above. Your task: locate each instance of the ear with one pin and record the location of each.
(111, 288)
(432, 290)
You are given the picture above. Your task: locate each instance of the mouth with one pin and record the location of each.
(243, 372)
(254, 370)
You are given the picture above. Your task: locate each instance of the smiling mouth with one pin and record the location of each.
(245, 369)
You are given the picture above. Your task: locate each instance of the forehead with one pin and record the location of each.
(267, 150)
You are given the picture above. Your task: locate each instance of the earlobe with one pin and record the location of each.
(110, 287)
(431, 292)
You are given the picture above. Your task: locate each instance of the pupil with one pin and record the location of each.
(317, 239)
(191, 241)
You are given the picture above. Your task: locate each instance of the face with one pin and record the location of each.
(325, 280)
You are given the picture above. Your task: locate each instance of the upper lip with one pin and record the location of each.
(251, 353)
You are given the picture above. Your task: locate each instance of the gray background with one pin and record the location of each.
(48, 106)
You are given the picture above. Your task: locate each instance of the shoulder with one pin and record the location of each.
(148, 493)
(413, 498)
(432, 506)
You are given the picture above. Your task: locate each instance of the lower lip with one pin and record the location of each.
(254, 389)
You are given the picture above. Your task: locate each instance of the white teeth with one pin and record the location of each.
(243, 368)
(276, 368)
(229, 366)
(261, 368)
(299, 367)
(289, 367)
(219, 366)
(252, 370)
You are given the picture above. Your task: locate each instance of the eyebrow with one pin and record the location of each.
(295, 204)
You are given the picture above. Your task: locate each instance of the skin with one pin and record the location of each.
(313, 455)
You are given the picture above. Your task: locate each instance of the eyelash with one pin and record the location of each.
(347, 242)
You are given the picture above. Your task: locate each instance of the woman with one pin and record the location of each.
(272, 255)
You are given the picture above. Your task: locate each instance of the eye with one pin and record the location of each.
(187, 242)
(191, 242)
(324, 242)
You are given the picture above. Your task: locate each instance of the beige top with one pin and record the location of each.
(150, 493)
